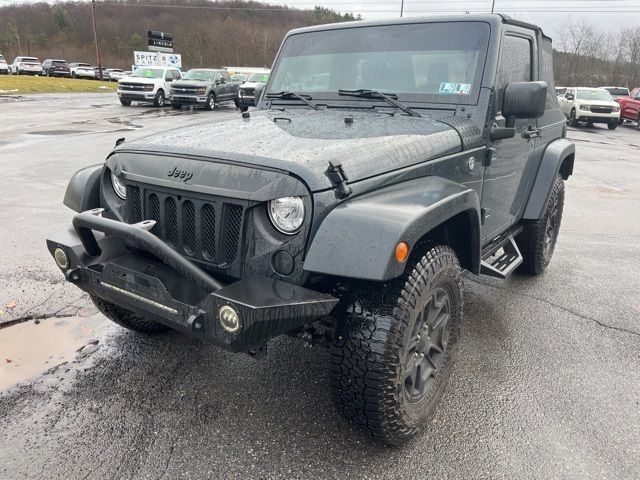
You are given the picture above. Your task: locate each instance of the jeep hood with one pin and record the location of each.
(304, 142)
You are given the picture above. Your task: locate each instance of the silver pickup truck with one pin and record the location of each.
(204, 87)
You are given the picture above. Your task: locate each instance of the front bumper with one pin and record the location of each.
(596, 117)
(188, 99)
(139, 96)
(160, 284)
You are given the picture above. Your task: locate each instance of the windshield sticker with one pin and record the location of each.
(451, 88)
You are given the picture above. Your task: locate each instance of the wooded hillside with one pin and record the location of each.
(235, 32)
(206, 33)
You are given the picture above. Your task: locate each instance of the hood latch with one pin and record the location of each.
(338, 179)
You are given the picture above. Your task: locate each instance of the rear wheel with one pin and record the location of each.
(537, 241)
(573, 121)
(158, 100)
(126, 318)
(613, 124)
(395, 347)
(125, 102)
(176, 106)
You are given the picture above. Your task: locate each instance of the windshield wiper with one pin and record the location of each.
(390, 98)
(303, 98)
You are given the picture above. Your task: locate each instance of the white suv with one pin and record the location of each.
(26, 65)
(590, 105)
(4, 68)
(147, 84)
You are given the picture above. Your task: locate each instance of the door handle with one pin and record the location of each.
(532, 133)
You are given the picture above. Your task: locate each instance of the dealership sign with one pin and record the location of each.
(157, 59)
(160, 41)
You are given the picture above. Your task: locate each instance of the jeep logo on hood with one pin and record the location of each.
(177, 173)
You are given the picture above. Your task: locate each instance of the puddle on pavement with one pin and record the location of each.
(123, 121)
(29, 349)
(56, 132)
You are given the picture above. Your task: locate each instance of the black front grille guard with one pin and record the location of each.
(138, 236)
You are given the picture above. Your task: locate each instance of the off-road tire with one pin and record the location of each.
(535, 245)
(125, 103)
(573, 121)
(613, 124)
(375, 341)
(159, 99)
(126, 318)
(243, 108)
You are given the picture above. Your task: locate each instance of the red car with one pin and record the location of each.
(630, 107)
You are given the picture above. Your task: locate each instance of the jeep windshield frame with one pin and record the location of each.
(440, 62)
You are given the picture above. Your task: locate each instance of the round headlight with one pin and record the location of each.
(118, 187)
(287, 214)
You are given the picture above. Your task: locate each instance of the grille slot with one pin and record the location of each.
(208, 215)
(134, 203)
(171, 221)
(206, 229)
(189, 228)
(232, 225)
(153, 213)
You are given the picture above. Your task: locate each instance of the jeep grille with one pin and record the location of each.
(208, 229)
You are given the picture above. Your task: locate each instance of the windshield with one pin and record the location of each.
(561, 91)
(618, 92)
(259, 77)
(438, 62)
(238, 77)
(593, 95)
(204, 75)
(146, 72)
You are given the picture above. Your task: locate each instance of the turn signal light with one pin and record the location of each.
(402, 252)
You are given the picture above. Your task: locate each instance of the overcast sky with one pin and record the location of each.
(607, 15)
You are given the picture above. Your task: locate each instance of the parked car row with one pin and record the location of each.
(199, 87)
(52, 67)
(606, 105)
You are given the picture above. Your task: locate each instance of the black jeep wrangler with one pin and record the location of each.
(385, 159)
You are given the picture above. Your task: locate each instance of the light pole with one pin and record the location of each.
(95, 36)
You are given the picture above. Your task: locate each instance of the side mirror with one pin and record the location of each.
(569, 97)
(524, 100)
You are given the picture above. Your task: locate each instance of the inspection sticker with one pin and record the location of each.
(452, 88)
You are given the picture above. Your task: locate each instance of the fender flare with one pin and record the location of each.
(83, 190)
(550, 165)
(358, 238)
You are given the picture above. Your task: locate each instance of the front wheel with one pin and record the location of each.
(211, 102)
(395, 347)
(613, 124)
(537, 241)
(125, 102)
(176, 106)
(126, 318)
(158, 100)
(573, 121)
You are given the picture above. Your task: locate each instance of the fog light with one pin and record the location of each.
(229, 319)
(61, 258)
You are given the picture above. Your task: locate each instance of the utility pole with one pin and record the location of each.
(493, 5)
(401, 8)
(95, 36)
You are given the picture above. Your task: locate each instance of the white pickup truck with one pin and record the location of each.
(147, 84)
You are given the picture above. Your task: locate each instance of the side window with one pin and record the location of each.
(226, 76)
(515, 64)
(167, 76)
(176, 74)
(636, 93)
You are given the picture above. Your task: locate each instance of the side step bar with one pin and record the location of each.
(502, 260)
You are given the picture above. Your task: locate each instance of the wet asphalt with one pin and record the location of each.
(546, 384)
